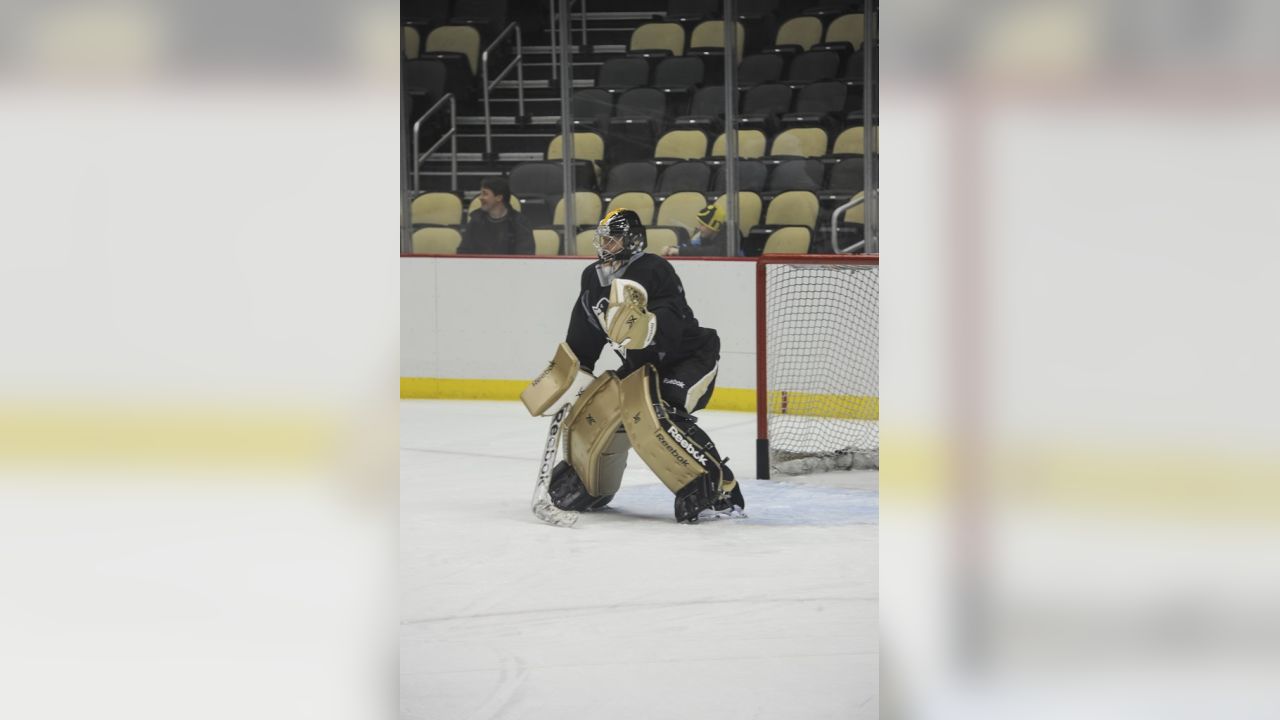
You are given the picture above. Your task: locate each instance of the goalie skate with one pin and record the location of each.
(728, 505)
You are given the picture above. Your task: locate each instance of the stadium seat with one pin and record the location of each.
(797, 174)
(791, 240)
(709, 35)
(641, 202)
(535, 182)
(436, 241)
(687, 10)
(800, 142)
(847, 176)
(759, 69)
(631, 177)
(591, 109)
(427, 77)
(681, 145)
(588, 152)
(813, 66)
(751, 144)
(749, 205)
(690, 175)
(850, 142)
(831, 8)
(845, 30)
(706, 111)
(660, 238)
(762, 105)
(638, 118)
(664, 38)
(436, 208)
(585, 243)
(411, 42)
(818, 104)
(798, 34)
(797, 207)
(624, 73)
(678, 74)
(759, 18)
(707, 42)
(586, 208)
(546, 242)
(586, 146)
(459, 39)
(681, 209)
(752, 175)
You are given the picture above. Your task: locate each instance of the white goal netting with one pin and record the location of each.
(822, 364)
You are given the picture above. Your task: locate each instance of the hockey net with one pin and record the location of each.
(818, 372)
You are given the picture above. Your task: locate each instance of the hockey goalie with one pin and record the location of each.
(633, 302)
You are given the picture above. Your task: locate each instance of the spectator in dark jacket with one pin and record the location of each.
(708, 238)
(496, 228)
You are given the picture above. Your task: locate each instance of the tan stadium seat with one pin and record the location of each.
(586, 206)
(846, 28)
(660, 238)
(681, 209)
(436, 208)
(458, 39)
(681, 145)
(804, 31)
(546, 242)
(710, 34)
(412, 43)
(750, 145)
(640, 202)
(854, 214)
(850, 142)
(749, 205)
(796, 207)
(788, 241)
(436, 241)
(585, 243)
(804, 142)
(657, 36)
(586, 146)
(475, 204)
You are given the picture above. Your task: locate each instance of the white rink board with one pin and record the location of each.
(500, 319)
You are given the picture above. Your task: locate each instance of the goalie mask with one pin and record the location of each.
(619, 236)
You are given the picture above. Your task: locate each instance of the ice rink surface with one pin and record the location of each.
(629, 615)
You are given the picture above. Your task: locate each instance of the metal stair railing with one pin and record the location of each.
(518, 62)
(452, 136)
(554, 30)
(838, 213)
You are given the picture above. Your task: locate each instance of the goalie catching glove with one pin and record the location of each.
(627, 321)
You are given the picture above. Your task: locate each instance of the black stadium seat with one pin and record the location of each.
(752, 175)
(624, 73)
(690, 175)
(631, 177)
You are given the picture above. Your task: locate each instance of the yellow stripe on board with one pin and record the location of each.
(849, 407)
(843, 407)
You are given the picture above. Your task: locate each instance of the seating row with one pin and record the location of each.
(797, 207)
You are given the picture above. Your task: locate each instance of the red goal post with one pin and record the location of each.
(817, 363)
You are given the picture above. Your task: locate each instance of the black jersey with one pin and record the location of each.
(678, 336)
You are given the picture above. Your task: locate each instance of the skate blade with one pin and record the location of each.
(732, 513)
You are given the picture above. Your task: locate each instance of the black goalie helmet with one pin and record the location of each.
(619, 235)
